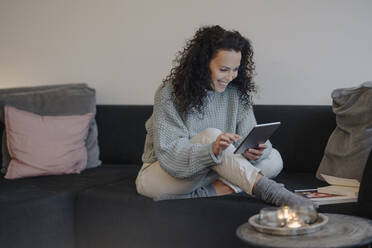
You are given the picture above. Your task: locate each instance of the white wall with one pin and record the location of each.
(124, 48)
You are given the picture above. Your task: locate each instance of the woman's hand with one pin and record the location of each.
(254, 154)
(223, 141)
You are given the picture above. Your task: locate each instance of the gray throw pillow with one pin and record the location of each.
(53, 100)
(350, 143)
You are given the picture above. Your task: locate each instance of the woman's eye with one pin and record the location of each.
(223, 70)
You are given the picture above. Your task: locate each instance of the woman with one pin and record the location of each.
(201, 112)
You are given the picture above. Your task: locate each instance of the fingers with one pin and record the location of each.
(254, 154)
(262, 146)
(226, 139)
(223, 144)
(250, 156)
(229, 137)
(223, 141)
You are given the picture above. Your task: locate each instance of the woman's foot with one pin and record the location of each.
(272, 192)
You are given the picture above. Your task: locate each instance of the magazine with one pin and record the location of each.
(325, 198)
(340, 190)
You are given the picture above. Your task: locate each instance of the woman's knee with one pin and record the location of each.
(141, 189)
(271, 166)
(154, 182)
(276, 163)
(148, 191)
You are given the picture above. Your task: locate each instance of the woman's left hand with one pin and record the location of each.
(254, 154)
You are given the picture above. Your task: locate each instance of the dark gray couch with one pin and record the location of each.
(100, 207)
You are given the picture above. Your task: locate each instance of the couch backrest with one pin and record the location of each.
(121, 132)
(1, 142)
(301, 139)
(303, 135)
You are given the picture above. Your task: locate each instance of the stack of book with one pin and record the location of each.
(341, 190)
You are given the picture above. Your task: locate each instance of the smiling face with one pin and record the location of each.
(224, 68)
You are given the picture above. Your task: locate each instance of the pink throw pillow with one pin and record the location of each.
(45, 145)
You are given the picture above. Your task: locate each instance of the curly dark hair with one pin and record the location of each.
(191, 74)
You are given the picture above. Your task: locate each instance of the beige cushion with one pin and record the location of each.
(350, 143)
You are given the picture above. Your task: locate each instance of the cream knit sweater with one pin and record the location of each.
(169, 133)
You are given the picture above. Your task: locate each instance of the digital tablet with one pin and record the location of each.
(258, 135)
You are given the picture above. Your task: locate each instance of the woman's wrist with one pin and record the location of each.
(215, 149)
(216, 158)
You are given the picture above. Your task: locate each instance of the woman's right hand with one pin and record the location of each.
(223, 141)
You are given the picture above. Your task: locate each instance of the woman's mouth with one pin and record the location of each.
(222, 83)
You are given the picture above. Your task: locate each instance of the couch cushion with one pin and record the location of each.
(30, 217)
(45, 145)
(73, 182)
(71, 99)
(131, 220)
(202, 222)
(40, 211)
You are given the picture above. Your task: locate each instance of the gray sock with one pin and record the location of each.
(272, 192)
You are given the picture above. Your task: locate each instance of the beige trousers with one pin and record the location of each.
(234, 170)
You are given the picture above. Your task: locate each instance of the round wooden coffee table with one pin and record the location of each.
(340, 231)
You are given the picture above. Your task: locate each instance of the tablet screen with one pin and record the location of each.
(258, 135)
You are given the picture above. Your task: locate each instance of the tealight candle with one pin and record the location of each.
(294, 224)
(295, 221)
(285, 212)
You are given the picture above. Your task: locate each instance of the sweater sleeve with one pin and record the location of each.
(245, 124)
(176, 154)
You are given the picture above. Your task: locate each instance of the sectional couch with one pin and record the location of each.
(101, 208)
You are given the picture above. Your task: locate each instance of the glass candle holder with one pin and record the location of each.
(270, 217)
(306, 213)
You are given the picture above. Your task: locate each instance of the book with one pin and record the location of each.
(340, 181)
(341, 190)
(325, 198)
(340, 186)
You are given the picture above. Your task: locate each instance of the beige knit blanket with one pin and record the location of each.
(350, 143)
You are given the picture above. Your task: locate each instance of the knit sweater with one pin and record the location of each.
(169, 133)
